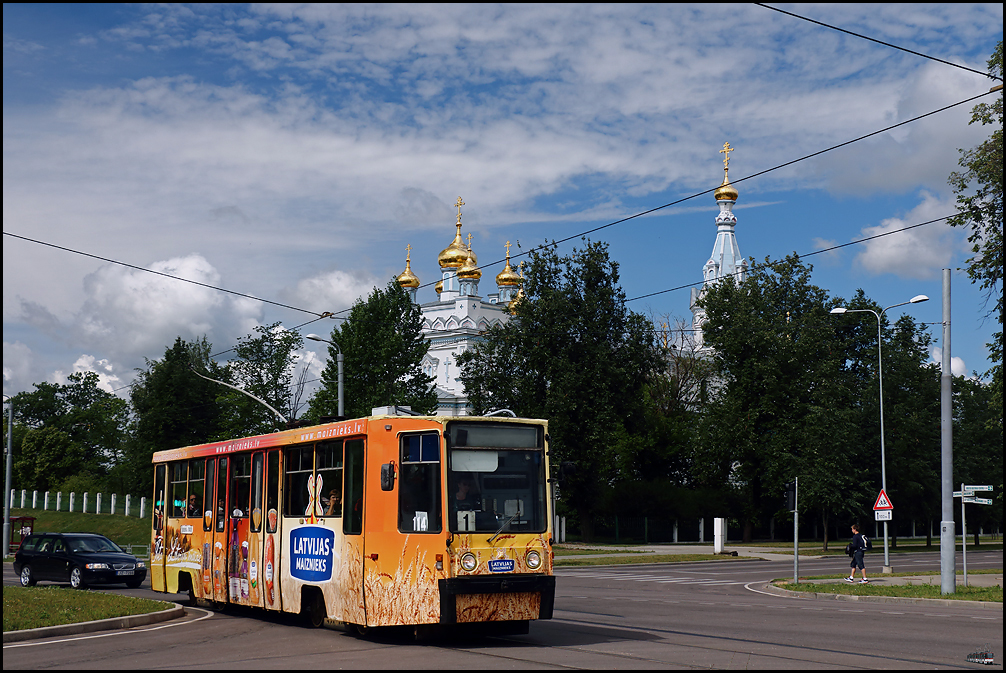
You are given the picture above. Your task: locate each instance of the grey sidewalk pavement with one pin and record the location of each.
(769, 554)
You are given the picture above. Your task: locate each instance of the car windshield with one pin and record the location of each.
(92, 545)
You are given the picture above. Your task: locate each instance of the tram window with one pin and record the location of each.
(196, 483)
(240, 485)
(272, 492)
(299, 467)
(158, 497)
(179, 483)
(419, 486)
(208, 495)
(352, 522)
(328, 477)
(256, 493)
(221, 494)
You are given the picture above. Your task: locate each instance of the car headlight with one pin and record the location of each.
(141, 564)
(96, 566)
(533, 559)
(468, 561)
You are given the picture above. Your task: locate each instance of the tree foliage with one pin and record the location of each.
(383, 350)
(65, 429)
(979, 189)
(573, 354)
(264, 367)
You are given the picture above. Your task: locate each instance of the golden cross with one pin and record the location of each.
(507, 246)
(469, 242)
(726, 152)
(458, 206)
(408, 252)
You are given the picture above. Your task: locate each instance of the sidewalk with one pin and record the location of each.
(768, 554)
(989, 580)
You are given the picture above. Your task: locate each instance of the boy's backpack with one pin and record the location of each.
(849, 551)
(868, 543)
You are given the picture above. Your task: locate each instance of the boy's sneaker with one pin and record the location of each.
(864, 581)
(848, 579)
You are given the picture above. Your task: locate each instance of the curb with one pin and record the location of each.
(90, 627)
(944, 602)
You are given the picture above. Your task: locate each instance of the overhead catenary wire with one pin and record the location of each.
(873, 39)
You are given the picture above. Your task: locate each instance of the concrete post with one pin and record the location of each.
(59, 501)
(719, 534)
(97, 503)
(111, 509)
(674, 532)
(24, 494)
(127, 504)
(84, 510)
(143, 506)
(948, 560)
(702, 529)
(46, 505)
(34, 499)
(73, 500)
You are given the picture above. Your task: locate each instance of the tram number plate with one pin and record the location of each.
(466, 521)
(123, 572)
(501, 565)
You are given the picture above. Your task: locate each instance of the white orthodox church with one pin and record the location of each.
(453, 322)
(726, 258)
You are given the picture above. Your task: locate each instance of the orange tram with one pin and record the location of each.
(388, 520)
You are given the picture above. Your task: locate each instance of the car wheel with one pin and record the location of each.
(27, 578)
(77, 578)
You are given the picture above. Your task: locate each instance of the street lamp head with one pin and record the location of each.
(314, 337)
(838, 310)
(918, 299)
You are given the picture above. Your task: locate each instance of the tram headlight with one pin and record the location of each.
(533, 559)
(468, 561)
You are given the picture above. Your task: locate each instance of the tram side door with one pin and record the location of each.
(219, 536)
(239, 523)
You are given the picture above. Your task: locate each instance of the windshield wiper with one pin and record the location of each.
(505, 524)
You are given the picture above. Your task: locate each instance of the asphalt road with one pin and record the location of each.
(700, 615)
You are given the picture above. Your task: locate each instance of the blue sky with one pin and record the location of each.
(292, 152)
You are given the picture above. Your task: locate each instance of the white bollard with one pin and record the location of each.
(111, 508)
(59, 501)
(719, 534)
(12, 498)
(97, 503)
(73, 500)
(562, 529)
(675, 531)
(127, 504)
(47, 501)
(702, 530)
(84, 510)
(143, 506)
(24, 494)
(34, 499)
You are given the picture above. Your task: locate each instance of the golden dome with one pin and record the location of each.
(455, 254)
(407, 278)
(470, 270)
(726, 191)
(507, 277)
(512, 306)
(439, 287)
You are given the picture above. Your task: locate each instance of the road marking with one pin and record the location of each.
(114, 633)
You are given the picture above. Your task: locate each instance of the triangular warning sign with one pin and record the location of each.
(883, 502)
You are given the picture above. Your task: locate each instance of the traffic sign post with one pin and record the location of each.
(967, 494)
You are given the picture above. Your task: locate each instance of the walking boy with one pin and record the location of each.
(858, 550)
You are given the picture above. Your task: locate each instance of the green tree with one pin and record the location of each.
(172, 407)
(778, 373)
(79, 419)
(264, 367)
(383, 350)
(979, 189)
(573, 354)
(978, 449)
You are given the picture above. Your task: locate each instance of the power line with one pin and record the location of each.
(166, 275)
(871, 39)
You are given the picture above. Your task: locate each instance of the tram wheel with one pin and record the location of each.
(314, 610)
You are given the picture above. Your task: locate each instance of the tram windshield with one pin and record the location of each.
(496, 478)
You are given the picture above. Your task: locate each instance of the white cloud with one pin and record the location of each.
(108, 380)
(918, 253)
(17, 367)
(957, 366)
(331, 290)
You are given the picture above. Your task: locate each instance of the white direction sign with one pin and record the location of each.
(883, 515)
(981, 501)
(978, 488)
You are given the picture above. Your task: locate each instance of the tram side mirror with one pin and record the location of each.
(388, 477)
(566, 469)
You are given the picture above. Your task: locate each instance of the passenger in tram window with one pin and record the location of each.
(466, 499)
(334, 503)
(193, 510)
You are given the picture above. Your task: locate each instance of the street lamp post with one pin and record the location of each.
(880, 376)
(6, 492)
(338, 360)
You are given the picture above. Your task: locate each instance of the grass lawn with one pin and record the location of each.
(34, 607)
(119, 528)
(647, 558)
(991, 594)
